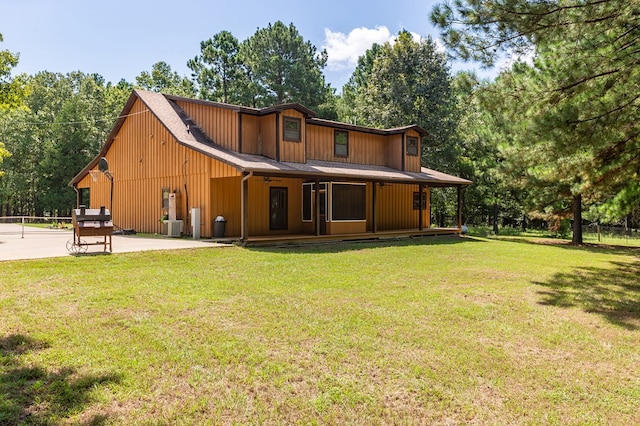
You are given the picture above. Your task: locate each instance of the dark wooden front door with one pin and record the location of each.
(278, 206)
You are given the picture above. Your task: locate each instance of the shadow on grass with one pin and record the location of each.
(30, 394)
(613, 293)
(565, 244)
(354, 245)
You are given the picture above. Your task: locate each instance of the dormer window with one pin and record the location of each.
(292, 127)
(412, 145)
(341, 143)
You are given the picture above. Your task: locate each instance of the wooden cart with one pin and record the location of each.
(90, 223)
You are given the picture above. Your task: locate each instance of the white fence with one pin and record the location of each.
(25, 223)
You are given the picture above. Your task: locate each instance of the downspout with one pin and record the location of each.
(75, 188)
(244, 200)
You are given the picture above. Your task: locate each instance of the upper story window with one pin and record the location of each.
(412, 145)
(341, 143)
(292, 128)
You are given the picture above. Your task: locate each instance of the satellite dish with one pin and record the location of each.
(103, 165)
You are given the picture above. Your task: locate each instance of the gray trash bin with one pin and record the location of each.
(219, 226)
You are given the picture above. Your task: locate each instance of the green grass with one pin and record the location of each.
(433, 330)
(587, 237)
(54, 225)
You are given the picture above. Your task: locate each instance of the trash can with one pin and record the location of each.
(219, 225)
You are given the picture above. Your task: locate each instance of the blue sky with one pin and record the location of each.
(121, 38)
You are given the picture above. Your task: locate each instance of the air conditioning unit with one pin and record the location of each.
(174, 228)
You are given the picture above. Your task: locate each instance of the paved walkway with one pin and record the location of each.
(38, 243)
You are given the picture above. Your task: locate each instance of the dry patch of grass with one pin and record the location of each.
(436, 330)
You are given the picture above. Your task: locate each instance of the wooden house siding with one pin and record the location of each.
(225, 201)
(145, 158)
(250, 134)
(394, 152)
(259, 206)
(291, 151)
(395, 208)
(267, 136)
(220, 124)
(412, 162)
(363, 148)
(220, 169)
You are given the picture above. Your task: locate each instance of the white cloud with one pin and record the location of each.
(344, 50)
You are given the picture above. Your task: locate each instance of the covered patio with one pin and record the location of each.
(376, 178)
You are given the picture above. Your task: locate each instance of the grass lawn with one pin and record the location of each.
(433, 330)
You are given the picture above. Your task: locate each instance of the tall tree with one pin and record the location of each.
(67, 118)
(11, 91)
(77, 131)
(359, 80)
(284, 67)
(408, 82)
(163, 79)
(219, 71)
(479, 158)
(16, 183)
(583, 100)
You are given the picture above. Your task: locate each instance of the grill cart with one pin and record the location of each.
(90, 223)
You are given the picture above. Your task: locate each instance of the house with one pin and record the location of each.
(277, 172)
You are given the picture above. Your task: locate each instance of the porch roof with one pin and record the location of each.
(324, 170)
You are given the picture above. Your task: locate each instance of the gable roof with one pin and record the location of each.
(179, 125)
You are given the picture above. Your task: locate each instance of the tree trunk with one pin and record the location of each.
(495, 218)
(577, 219)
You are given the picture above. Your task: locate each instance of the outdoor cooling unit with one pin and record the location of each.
(174, 228)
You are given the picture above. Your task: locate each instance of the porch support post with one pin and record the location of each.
(374, 207)
(244, 206)
(316, 203)
(420, 197)
(459, 208)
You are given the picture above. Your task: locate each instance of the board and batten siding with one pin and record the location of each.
(144, 158)
(395, 208)
(364, 148)
(226, 202)
(220, 124)
(251, 138)
(267, 136)
(413, 162)
(394, 152)
(291, 151)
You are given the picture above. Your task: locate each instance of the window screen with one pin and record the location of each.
(306, 202)
(348, 202)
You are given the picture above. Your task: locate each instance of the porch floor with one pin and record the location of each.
(307, 238)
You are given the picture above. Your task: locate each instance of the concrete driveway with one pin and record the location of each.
(36, 243)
